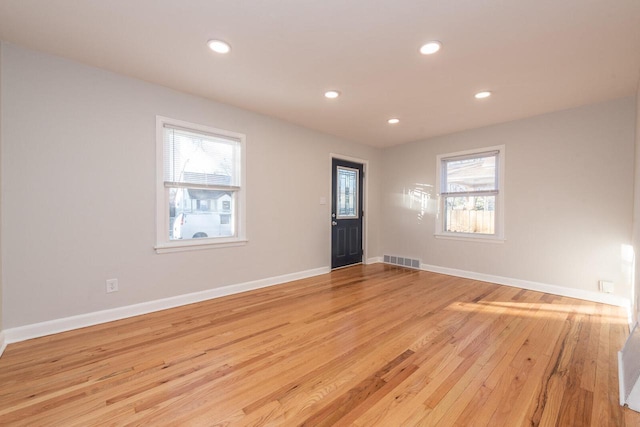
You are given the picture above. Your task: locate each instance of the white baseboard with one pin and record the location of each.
(83, 320)
(3, 343)
(533, 286)
(527, 284)
(36, 330)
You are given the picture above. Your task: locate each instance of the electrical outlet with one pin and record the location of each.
(112, 285)
(606, 287)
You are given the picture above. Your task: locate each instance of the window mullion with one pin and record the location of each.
(168, 184)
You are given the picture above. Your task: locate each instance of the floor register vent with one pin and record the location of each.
(405, 262)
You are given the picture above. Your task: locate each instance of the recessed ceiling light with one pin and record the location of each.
(484, 94)
(332, 94)
(219, 46)
(393, 121)
(430, 47)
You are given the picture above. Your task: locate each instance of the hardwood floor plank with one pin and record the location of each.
(588, 380)
(431, 364)
(552, 330)
(395, 408)
(557, 377)
(600, 410)
(575, 408)
(374, 345)
(357, 395)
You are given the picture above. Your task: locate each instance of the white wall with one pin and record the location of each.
(78, 163)
(569, 196)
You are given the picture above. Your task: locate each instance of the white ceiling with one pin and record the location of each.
(536, 56)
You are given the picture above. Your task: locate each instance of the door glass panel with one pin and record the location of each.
(347, 203)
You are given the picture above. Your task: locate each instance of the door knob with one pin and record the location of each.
(334, 223)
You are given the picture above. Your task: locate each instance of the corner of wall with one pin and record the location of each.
(3, 343)
(635, 238)
(2, 340)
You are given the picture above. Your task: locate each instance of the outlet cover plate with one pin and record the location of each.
(606, 286)
(112, 285)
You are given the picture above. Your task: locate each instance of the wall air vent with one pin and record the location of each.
(405, 262)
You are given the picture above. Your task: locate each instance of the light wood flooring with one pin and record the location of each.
(369, 345)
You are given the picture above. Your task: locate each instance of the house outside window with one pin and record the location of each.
(471, 186)
(200, 195)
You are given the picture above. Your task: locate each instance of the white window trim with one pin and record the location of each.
(499, 236)
(163, 244)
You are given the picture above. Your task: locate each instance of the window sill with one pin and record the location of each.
(470, 238)
(196, 245)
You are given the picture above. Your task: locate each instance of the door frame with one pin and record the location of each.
(365, 201)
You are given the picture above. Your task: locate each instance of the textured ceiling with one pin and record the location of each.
(535, 56)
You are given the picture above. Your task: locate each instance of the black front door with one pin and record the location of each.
(346, 213)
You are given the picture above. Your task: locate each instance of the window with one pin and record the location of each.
(471, 194)
(347, 193)
(200, 195)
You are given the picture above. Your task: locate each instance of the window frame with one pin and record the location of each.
(499, 234)
(163, 242)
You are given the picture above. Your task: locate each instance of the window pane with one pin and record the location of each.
(470, 214)
(470, 174)
(203, 159)
(347, 193)
(196, 213)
